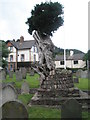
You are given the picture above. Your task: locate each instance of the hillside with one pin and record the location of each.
(60, 51)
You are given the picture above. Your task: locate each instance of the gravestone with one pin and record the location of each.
(76, 80)
(10, 74)
(78, 73)
(14, 109)
(2, 75)
(18, 76)
(89, 75)
(8, 93)
(24, 72)
(25, 88)
(0, 94)
(31, 72)
(84, 74)
(71, 109)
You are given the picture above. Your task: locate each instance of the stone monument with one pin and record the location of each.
(54, 83)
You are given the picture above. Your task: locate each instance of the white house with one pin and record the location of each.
(22, 53)
(72, 61)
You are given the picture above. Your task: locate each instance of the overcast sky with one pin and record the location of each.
(72, 35)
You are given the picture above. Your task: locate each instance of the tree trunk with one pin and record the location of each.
(45, 51)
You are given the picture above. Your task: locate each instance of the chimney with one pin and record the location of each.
(71, 53)
(21, 39)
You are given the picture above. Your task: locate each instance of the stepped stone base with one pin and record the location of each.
(57, 102)
(57, 89)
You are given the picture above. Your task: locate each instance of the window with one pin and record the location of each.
(76, 62)
(11, 67)
(11, 58)
(22, 57)
(11, 48)
(61, 62)
(34, 58)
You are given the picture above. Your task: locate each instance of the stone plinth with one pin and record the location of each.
(55, 87)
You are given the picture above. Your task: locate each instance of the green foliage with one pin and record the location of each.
(5, 50)
(3, 53)
(46, 18)
(87, 56)
(60, 51)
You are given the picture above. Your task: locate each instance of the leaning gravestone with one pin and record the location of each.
(24, 72)
(8, 93)
(18, 76)
(25, 88)
(14, 109)
(2, 75)
(71, 109)
(10, 74)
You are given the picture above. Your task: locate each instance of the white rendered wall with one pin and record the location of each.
(26, 55)
(13, 52)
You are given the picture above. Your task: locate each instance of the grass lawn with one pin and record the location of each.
(44, 112)
(25, 98)
(32, 81)
(83, 84)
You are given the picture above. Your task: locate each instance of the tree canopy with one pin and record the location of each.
(87, 56)
(46, 18)
(4, 53)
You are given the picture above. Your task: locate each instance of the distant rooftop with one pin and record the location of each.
(68, 57)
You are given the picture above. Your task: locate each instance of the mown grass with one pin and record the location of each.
(31, 80)
(43, 112)
(83, 84)
(25, 98)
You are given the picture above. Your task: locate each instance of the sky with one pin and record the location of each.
(72, 35)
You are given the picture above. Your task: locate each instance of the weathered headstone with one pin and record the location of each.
(2, 75)
(25, 88)
(18, 76)
(0, 95)
(14, 109)
(89, 75)
(78, 73)
(76, 80)
(10, 74)
(71, 109)
(32, 72)
(8, 93)
(84, 74)
(24, 72)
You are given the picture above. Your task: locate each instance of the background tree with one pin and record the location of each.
(87, 59)
(3, 54)
(46, 18)
(87, 56)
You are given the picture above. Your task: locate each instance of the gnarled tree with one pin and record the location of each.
(45, 19)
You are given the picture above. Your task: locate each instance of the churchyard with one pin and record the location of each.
(23, 90)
